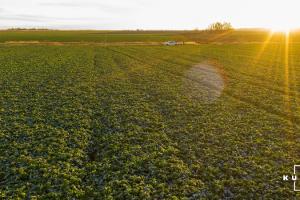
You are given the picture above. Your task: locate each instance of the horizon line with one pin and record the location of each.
(137, 29)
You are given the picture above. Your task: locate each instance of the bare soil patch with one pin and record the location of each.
(205, 82)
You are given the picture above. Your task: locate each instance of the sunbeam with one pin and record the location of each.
(287, 103)
(263, 47)
(293, 76)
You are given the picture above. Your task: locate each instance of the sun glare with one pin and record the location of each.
(282, 28)
(285, 30)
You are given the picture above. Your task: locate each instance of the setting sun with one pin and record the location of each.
(280, 29)
(284, 28)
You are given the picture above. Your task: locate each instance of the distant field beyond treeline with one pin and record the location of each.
(143, 36)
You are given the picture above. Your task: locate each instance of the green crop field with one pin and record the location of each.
(131, 122)
(238, 36)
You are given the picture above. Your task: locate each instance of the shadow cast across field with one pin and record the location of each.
(204, 82)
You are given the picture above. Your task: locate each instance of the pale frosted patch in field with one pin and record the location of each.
(204, 82)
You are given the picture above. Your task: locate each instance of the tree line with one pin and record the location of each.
(219, 26)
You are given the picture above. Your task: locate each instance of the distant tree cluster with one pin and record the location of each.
(219, 26)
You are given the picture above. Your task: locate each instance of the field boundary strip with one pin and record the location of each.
(88, 43)
(60, 43)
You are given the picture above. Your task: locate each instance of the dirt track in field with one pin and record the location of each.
(88, 43)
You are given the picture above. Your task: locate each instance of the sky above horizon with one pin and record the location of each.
(148, 14)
